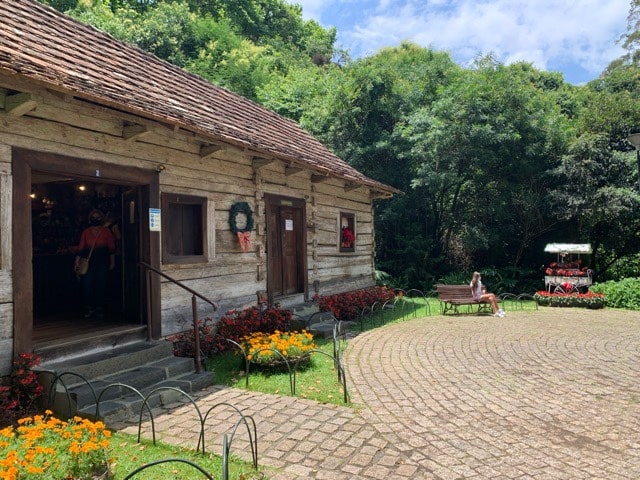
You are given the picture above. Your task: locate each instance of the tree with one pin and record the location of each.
(371, 103)
(597, 194)
(483, 152)
(241, 45)
(631, 39)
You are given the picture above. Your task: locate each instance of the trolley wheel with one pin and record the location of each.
(562, 289)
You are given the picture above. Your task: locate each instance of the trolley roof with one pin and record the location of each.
(568, 248)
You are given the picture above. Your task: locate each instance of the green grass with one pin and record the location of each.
(319, 381)
(129, 455)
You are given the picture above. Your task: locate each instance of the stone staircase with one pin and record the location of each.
(116, 364)
(307, 314)
(141, 365)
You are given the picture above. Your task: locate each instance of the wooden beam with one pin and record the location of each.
(348, 187)
(21, 103)
(259, 162)
(3, 96)
(374, 195)
(292, 170)
(317, 178)
(134, 132)
(208, 150)
(65, 97)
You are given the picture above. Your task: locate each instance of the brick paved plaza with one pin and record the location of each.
(548, 394)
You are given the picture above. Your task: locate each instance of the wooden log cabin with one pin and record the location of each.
(89, 122)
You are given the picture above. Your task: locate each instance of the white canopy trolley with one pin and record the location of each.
(567, 274)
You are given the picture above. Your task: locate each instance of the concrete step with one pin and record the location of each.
(129, 404)
(324, 329)
(118, 377)
(100, 363)
(305, 309)
(88, 342)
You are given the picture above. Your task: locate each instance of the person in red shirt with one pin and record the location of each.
(98, 241)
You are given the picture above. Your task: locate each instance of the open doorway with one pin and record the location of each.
(47, 302)
(60, 208)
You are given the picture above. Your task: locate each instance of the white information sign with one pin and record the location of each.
(288, 224)
(154, 220)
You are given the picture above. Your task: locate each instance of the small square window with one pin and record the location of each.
(184, 228)
(347, 233)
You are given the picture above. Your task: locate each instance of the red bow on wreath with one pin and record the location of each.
(245, 240)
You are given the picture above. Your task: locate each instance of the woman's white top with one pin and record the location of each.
(478, 292)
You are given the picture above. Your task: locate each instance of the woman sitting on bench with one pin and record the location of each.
(480, 295)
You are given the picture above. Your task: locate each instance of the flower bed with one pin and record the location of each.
(44, 447)
(585, 300)
(20, 390)
(259, 347)
(184, 342)
(234, 325)
(349, 305)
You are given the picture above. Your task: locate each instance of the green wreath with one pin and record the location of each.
(240, 207)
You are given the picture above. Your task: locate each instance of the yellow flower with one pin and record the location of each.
(42, 444)
(262, 347)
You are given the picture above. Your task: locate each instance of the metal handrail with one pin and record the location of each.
(194, 309)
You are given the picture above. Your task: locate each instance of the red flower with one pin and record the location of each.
(347, 236)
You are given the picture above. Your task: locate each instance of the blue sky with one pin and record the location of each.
(574, 37)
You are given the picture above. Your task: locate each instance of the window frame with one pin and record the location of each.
(347, 219)
(169, 199)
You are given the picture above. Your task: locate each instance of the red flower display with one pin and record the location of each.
(349, 305)
(347, 238)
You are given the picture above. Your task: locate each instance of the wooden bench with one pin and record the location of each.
(453, 296)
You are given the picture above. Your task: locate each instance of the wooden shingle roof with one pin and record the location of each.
(65, 55)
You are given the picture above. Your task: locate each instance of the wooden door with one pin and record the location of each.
(132, 281)
(285, 247)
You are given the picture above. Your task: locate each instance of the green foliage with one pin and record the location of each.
(624, 267)
(493, 160)
(630, 40)
(624, 293)
(242, 45)
(597, 193)
(486, 209)
(317, 382)
(455, 278)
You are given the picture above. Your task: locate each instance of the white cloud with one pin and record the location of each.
(312, 8)
(547, 33)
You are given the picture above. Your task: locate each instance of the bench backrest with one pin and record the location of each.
(454, 292)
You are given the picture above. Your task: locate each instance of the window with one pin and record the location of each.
(347, 232)
(184, 227)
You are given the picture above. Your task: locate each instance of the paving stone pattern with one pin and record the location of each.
(551, 394)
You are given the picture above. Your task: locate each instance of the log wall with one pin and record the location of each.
(62, 124)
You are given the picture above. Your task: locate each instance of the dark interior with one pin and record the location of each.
(59, 212)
